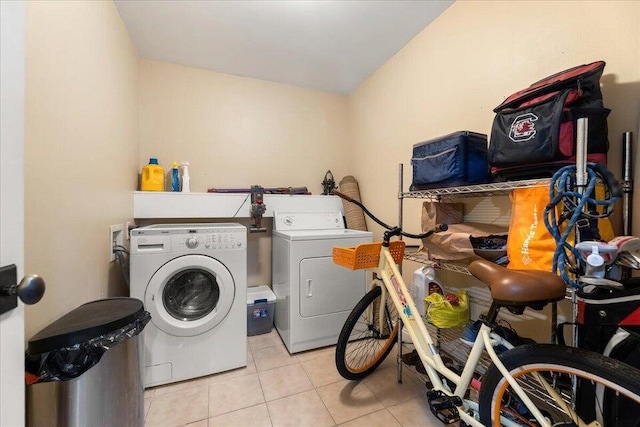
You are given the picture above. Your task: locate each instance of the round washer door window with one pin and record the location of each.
(190, 295)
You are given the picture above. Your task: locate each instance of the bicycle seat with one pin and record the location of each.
(531, 288)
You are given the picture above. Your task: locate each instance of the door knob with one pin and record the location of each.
(30, 289)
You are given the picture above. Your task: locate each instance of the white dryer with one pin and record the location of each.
(313, 295)
(193, 280)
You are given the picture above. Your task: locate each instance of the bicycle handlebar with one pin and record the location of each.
(392, 231)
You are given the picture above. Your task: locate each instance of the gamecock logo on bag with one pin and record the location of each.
(523, 127)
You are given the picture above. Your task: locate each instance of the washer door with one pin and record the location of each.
(189, 295)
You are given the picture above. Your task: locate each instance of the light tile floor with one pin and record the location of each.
(279, 389)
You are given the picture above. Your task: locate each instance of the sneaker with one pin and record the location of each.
(411, 358)
(508, 333)
(470, 333)
(420, 367)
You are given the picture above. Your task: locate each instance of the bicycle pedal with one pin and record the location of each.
(444, 407)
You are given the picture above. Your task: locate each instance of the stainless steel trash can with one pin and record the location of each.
(111, 391)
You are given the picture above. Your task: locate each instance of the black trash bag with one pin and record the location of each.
(63, 363)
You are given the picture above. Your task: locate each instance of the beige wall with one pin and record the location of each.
(236, 131)
(81, 150)
(85, 145)
(452, 74)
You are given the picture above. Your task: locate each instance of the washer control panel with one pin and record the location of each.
(215, 240)
(189, 238)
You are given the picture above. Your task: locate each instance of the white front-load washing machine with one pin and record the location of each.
(313, 295)
(192, 278)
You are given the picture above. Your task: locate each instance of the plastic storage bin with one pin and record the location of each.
(260, 306)
(85, 369)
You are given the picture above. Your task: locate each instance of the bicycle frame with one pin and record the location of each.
(442, 378)
(392, 284)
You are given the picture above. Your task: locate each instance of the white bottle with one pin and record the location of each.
(186, 185)
(424, 283)
(595, 263)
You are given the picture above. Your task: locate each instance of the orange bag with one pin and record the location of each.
(530, 246)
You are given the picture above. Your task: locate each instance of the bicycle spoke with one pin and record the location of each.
(570, 387)
(362, 345)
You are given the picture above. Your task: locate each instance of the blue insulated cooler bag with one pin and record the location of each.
(456, 159)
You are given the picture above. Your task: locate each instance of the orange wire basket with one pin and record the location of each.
(366, 255)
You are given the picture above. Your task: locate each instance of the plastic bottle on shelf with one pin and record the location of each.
(175, 177)
(424, 284)
(595, 263)
(152, 178)
(186, 184)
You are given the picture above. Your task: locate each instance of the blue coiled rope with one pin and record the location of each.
(562, 190)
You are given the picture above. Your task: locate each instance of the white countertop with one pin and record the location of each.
(161, 204)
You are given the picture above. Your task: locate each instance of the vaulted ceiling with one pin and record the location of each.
(327, 45)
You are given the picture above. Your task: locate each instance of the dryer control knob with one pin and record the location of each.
(192, 243)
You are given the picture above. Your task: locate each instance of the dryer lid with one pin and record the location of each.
(324, 234)
(289, 221)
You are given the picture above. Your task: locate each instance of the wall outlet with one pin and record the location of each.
(116, 238)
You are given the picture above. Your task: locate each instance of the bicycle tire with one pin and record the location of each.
(559, 365)
(361, 348)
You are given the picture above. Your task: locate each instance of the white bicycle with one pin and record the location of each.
(530, 385)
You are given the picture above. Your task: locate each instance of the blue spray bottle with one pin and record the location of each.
(175, 177)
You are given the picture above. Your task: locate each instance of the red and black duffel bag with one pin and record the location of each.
(533, 132)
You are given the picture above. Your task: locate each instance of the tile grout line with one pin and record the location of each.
(315, 389)
(208, 399)
(261, 387)
(335, 423)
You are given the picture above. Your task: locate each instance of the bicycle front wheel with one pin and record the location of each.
(366, 339)
(566, 384)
